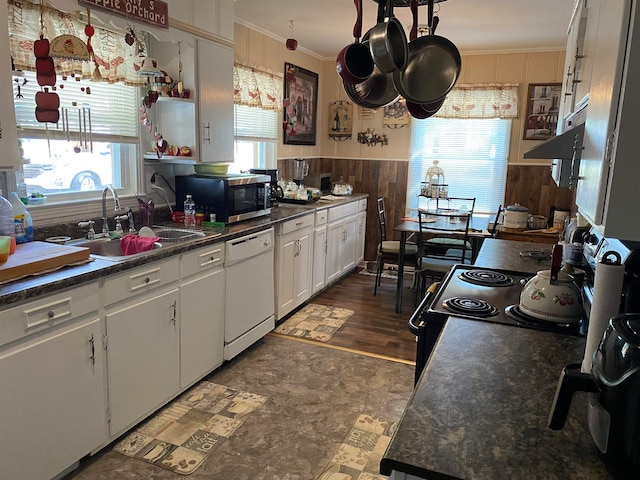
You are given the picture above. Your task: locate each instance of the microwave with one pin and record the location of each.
(231, 198)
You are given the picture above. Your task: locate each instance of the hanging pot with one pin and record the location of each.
(433, 66)
(354, 63)
(388, 42)
(424, 110)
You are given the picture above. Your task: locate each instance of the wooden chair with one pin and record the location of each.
(451, 224)
(388, 250)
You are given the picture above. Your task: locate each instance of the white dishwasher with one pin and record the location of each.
(249, 295)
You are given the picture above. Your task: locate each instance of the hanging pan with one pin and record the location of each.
(388, 42)
(354, 63)
(432, 69)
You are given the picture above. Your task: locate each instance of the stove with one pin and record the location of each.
(476, 293)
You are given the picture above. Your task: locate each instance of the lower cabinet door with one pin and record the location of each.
(143, 357)
(52, 402)
(201, 326)
(319, 258)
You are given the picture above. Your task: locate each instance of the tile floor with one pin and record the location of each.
(314, 395)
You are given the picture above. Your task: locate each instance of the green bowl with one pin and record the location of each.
(211, 168)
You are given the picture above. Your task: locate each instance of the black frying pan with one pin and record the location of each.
(433, 67)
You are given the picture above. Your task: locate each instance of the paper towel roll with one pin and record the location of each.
(607, 290)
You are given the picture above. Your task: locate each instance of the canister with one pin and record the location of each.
(516, 216)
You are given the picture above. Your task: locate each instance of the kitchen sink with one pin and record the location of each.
(173, 235)
(107, 249)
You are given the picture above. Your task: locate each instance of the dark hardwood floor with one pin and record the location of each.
(375, 327)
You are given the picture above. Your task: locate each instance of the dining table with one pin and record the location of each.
(478, 231)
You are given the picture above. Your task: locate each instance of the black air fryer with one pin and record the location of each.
(614, 404)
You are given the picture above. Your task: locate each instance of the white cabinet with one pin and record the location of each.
(143, 341)
(52, 389)
(10, 158)
(202, 290)
(215, 100)
(607, 187)
(294, 263)
(318, 277)
(213, 16)
(176, 118)
(362, 230)
(341, 240)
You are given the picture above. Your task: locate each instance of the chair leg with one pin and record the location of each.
(379, 268)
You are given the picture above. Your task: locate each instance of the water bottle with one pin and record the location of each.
(23, 224)
(189, 212)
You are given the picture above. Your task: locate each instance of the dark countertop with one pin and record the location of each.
(505, 255)
(33, 286)
(480, 408)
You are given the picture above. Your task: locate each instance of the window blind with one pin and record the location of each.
(472, 153)
(113, 106)
(256, 124)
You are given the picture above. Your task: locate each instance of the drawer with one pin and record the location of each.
(362, 205)
(140, 280)
(202, 259)
(322, 216)
(48, 311)
(342, 211)
(297, 224)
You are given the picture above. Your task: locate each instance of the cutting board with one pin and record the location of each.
(35, 257)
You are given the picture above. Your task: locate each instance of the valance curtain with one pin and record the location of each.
(257, 88)
(489, 100)
(113, 55)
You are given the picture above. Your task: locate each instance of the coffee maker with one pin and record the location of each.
(614, 401)
(276, 190)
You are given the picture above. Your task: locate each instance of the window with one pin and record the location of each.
(472, 153)
(94, 143)
(256, 138)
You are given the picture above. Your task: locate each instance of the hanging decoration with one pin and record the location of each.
(396, 115)
(340, 120)
(47, 103)
(370, 138)
(291, 42)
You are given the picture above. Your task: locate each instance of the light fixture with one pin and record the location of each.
(291, 43)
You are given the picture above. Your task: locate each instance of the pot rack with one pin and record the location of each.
(405, 3)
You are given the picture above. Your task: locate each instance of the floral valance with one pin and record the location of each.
(113, 56)
(257, 88)
(491, 100)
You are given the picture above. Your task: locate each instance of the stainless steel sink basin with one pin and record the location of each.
(173, 235)
(106, 248)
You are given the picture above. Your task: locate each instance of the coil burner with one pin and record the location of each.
(486, 278)
(515, 313)
(470, 306)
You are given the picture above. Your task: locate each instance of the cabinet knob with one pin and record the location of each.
(51, 314)
(147, 280)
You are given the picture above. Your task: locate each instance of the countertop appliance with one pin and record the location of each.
(276, 192)
(249, 263)
(300, 170)
(475, 293)
(321, 181)
(614, 383)
(231, 198)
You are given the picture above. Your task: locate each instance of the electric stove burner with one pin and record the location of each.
(486, 278)
(536, 255)
(515, 313)
(470, 306)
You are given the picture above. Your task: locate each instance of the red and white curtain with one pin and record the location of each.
(491, 100)
(257, 87)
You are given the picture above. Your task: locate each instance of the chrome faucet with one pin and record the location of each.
(116, 201)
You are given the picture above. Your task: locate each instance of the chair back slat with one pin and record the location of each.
(382, 220)
(445, 223)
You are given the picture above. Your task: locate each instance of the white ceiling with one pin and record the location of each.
(324, 27)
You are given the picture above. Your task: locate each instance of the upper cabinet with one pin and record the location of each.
(608, 179)
(212, 16)
(10, 158)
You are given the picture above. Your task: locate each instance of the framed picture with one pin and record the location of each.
(543, 102)
(300, 105)
(340, 120)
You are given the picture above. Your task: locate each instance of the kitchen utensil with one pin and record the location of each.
(552, 295)
(433, 66)
(614, 386)
(388, 42)
(354, 63)
(516, 216)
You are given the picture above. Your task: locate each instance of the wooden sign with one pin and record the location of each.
(153, 12)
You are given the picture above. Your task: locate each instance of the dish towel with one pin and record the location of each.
(130, 244)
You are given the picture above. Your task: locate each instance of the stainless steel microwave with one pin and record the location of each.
(231, 198)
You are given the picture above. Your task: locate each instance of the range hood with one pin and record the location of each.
(560, 146)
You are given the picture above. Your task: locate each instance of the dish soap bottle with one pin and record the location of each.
(189, 212)
(22, 220)
(7, 228)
